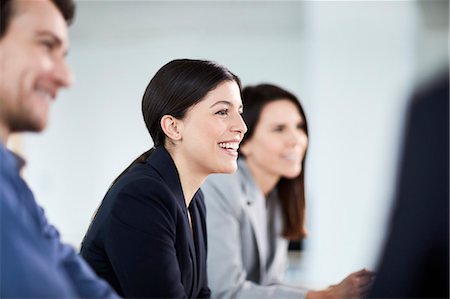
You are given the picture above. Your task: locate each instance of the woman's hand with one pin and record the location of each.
(356, 285)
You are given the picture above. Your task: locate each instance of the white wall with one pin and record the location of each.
(362, 73)
(353, 64)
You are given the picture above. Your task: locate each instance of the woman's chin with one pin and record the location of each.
(292, 174)
(229, 168)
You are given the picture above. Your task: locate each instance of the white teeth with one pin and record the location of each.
(229, 145)
(291, 157)
(44, 93)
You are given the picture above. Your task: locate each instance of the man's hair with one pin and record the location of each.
(7, 11)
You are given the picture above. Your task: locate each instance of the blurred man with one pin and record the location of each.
(33, 261)
(415, 263)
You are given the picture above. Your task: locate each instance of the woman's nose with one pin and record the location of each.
(297, 137)
(240, 125)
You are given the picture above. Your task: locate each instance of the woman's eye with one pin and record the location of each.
(278, 129)
(222, 112)
(301, 127)
(48, 44)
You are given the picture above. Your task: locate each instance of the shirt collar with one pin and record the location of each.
(19, 161)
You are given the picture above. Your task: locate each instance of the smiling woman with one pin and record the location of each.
(211, 133)
(253, 213)
(148, 238)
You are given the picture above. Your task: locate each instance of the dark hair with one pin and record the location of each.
(291, 192)
(8, 9)
(175, 88)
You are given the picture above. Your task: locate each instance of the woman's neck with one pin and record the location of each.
(190, 179)
(264, 180)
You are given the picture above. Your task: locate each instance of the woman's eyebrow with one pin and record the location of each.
(227, 103)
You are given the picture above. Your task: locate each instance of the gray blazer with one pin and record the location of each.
(246, 254)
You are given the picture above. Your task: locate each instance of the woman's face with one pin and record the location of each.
(279, 141)
(212, 130)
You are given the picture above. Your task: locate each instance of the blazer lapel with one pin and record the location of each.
(279, 244)
(198, 254)
(162, 162)
(255, 209)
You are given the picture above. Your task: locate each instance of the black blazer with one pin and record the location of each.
(140, 240)
(415, 262)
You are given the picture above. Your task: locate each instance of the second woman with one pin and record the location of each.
(253, 213)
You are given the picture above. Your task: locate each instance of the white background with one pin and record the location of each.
(353, 65)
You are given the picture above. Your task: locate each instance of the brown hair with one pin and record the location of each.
(176, 87)
(8, 9)
(291, 192)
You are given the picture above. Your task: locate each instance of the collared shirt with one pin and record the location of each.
(33, 261)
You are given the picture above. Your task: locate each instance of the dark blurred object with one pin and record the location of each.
(296, 245)
(415, 262)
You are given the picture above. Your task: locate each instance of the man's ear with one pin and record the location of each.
(171, 127)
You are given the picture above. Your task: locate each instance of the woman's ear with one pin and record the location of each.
(171, 127)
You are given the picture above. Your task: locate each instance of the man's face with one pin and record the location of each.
(32, 65)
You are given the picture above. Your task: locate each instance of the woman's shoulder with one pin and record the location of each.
(141, 177)
(224, 192)
(222, 183)
(227, 183)
(143, 184)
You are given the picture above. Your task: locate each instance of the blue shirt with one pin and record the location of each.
(33, 261)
